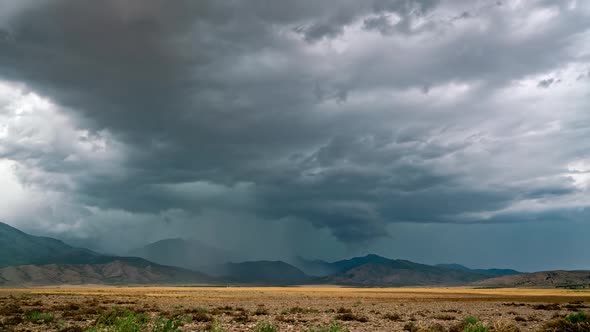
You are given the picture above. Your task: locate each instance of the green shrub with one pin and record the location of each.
(477, 327)
(215, 327)
(166, 325)
(332, 328)
(578, 317)
(577, 322)
(470, 320)
(120, 320)
(38, 317)
(265, 327)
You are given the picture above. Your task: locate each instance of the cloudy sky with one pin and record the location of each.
(432, 130)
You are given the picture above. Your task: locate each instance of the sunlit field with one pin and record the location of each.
(89, 308)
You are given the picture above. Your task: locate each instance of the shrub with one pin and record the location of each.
(332, 328)
(411, 327)
(578, 322)
(120, 320)
(10, 309)
(393, 316)
(579, 317)
(552, 306)
(265, 327)
(260, 311)
(504, 326)
(299, 310)
(343, 310)
(38, 317)
(470, 320)
(166, 325)
(200, 316)
(477, 327)
(215, 327)
(352, 317)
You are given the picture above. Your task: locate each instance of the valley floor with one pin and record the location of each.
(287, 308)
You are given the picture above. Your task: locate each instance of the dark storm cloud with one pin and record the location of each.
(545, 83)
(251, 107)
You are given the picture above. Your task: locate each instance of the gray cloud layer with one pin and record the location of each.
(342, 116)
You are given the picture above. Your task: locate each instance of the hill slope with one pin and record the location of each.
(116, 272)
(261, 273)
(28, 259)
(540, 279)
(19, 248)
(488, 272)
(189, 254)
(373, 270)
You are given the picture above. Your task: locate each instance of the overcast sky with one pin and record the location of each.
(432, 130)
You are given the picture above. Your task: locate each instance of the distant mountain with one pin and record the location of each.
(373, 270)
(116, 272)
(19, 248)
(316, 268)
(488, 272)
(189, 254)
(260, 272)
(347, 264)
(322, 268)
(566, 279)
(29, 259)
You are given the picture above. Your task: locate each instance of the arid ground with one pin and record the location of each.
(288, 309)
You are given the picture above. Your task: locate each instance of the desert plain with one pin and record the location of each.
(72, 308)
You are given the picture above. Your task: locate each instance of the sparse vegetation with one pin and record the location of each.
(393, 317)
(411, 327)
(576, 322)
(343, 310)
(265, 327)
(166, 325)
(215, 327)
(300, 310)
(261, 311)
(334, 327)
(352, 317)
(202, 316)
(175, 309)
(552, 306)
(444, 317)
(38, 317)
(504, 326)
(579, 317)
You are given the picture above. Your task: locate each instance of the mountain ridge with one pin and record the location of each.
(29, 259)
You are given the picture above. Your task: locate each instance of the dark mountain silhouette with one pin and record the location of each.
(489, 272)
(189, 254)
(373, 270)
(19, 248)
(27, 259)
(316, 268)
(260, 272)
(322, 268)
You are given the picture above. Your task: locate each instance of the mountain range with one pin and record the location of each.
(33, 260)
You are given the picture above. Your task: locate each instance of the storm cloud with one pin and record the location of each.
(340, 118)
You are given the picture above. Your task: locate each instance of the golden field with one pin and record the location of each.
(78, 308)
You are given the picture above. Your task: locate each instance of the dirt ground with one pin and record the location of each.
(289, 309)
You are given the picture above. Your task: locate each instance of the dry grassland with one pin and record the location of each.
(288, 309)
